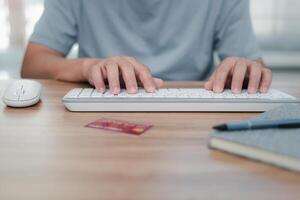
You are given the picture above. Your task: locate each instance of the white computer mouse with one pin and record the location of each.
(22, 93)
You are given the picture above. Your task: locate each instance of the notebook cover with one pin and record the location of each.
(285, 142)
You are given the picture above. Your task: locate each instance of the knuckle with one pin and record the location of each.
(257, 64)
(144, 74)
(220, 72)
(122, 58)
(267, 70)
(113, 59)
(117, 58)
(260, 65)
(110, 62)
(130, 59)
(100, 63)
(121, 63)
(124, 65)
(231, 59)
(255, 67)
(145, 71)
(89, 62)
(240, 62)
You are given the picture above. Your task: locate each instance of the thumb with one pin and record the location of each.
(209, 83)
(158, 82)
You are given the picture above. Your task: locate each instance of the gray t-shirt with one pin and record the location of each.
(175, 38)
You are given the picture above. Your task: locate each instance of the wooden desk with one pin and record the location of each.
(47, 153)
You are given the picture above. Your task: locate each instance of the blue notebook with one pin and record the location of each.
(279, 147)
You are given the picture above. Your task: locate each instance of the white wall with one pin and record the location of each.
(277, 23)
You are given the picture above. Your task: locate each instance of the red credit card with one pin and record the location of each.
(119, 126)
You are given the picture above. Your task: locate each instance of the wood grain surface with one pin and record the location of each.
(47, 153)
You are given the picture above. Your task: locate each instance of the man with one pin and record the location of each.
(130, 42)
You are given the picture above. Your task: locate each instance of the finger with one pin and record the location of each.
(266, 80)
(209, 83)
(255, 72)
(112, 69)
(158, 82)
(128, 74)
(97, 78)
(222, 74)
(146, 79)
(144, 74)
(238, 76)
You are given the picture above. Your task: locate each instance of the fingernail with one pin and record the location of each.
(151, 89)
(264, 90)
(207, 86)
(132, 90)
(236, 91)
(252, 90)
(102, 90)
(116, 91)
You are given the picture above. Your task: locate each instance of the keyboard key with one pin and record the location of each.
(74, 93)
(86, 93)
(96, 94)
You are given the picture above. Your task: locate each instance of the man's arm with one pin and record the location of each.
(43, 62)
(237, 47)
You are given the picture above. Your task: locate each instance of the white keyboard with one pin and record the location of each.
(173, 100)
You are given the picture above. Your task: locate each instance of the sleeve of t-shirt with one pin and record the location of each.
(57, 27)
(234, 32)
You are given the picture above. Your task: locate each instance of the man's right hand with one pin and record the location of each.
(118, 71)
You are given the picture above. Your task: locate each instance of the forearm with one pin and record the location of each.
(43, 63)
